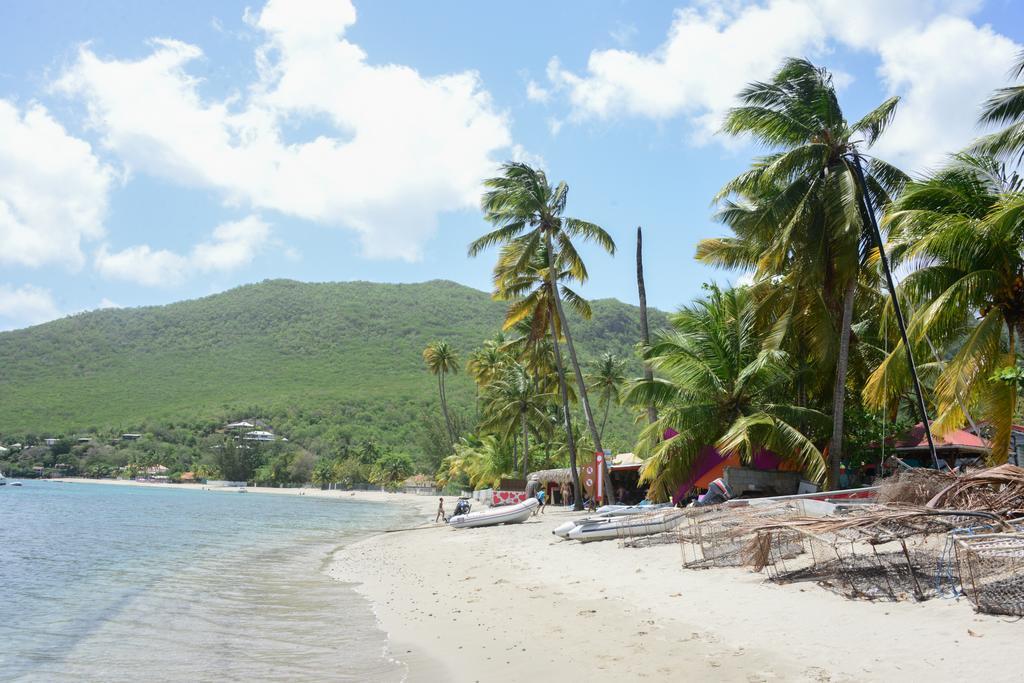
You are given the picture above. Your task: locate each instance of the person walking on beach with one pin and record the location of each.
(440, 511)
(540, 499)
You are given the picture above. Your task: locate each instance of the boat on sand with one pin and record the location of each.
(506, 514)
(619, 527)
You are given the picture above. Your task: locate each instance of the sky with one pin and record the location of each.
(153, 152)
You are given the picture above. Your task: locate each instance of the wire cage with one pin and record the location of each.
(852, 563)
(992, 571)
(655, 527)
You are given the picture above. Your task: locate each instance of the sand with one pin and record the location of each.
(512, 602)
(516, 602)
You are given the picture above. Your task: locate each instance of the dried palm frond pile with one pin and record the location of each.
(998, 490)
(914, 486)
(925, 536)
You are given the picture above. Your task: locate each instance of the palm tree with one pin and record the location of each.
(607, 378)
(962, 232)
(487, 362)
(528, 213)
(526, 283)
(513, 402)
(645, 331)
(806, 210)
(441, 359)
(1005, 107)
(482, 461)
(721, 381)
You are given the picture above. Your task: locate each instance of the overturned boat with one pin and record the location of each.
(627, 527)
(506, 514)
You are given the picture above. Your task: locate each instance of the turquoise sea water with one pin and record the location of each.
(124, 583)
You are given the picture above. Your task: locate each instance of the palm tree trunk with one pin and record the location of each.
(526, 446)
(444, 409)
(604, 420)
(869, 217)
(835, 449)
(570, 441)
(515, 452)
(645, 332)
(574, 360)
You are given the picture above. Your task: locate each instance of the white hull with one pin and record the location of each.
(621, 510)
(508, 514)
(627, 527)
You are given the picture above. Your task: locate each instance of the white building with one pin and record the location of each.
(259, 435)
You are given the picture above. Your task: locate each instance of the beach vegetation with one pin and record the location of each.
(721, 380)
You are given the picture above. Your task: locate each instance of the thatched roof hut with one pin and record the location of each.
(561, 475)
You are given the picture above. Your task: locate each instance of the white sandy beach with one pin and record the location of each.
(514, 602)
(510, 603)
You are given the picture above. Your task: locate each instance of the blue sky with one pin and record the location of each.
(151, 152)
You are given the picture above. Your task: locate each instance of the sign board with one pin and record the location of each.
(589, 478)
(599, 467)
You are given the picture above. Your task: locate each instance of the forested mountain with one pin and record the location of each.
(323, 362)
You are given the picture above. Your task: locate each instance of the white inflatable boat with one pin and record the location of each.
(621, 510)
(506, 514)
(627, 527)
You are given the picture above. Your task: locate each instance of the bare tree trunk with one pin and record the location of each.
(570, 441)
(574, 360)
(835, 449)
(645, 332)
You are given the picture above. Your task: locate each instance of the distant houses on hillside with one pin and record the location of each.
(252, 430)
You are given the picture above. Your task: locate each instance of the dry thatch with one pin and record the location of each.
(914, 486)
(999, 490)
(561, 475)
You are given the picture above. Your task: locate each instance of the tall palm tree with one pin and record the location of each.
(527, 284)
(721, 381)
(607, 378)
(961, 231)
(441, 359)
(807, 208)
(645, 330)
(1005, 107)
(528, 212)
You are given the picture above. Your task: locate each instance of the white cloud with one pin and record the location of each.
(53, 190)
(623, 33)
(231, 246)
(536, 93)
(928, 51)
(396, 150)
(142, 265)
(107, 303)
(708, 56)
(25, 305)
(943, 73)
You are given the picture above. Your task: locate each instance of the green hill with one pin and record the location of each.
(337, 360)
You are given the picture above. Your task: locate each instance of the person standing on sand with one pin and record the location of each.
(541, 496)
(440, 511)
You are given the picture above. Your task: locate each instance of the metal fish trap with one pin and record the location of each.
(718, 537)
(992, 571)
(871, 554)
